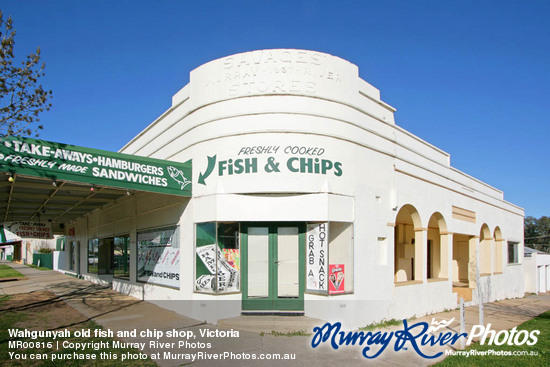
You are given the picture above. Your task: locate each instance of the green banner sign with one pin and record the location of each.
(99, 167)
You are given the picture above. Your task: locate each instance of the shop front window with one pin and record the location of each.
(121, 257)
(158, 257)
(93, 256)
(217, 263)
(329, 258)
(73, 254)
(513, 253)
(60, 244)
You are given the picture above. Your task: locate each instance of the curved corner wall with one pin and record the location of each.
(279, 136)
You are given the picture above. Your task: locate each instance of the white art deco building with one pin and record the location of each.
(307, 198)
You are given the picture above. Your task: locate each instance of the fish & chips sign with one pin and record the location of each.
(72, 163)
(30, 229)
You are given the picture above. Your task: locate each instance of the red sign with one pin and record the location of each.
(336, 279)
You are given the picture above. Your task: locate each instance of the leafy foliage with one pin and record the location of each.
(537, 231)
(21, 97)
(45, 250)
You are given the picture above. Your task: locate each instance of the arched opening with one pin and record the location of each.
(485, 244)
(437, 249)
(409, 248)
(499, 250)
(464, 265)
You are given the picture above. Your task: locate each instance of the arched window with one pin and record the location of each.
(437, 249)
(409, 245)
(499, 250)
(485, 245)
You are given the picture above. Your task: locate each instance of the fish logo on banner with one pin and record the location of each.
(177, 175)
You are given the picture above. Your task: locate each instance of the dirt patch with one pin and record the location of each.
(44, 311)
(40, 310)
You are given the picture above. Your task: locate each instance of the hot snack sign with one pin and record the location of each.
(72, 163)
(317, 257)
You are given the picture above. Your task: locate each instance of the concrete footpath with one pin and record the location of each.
(118, 312)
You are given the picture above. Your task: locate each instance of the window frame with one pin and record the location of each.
(128, 251)
(91, 243)
(329, 249)
(515, 253)
(176, 245)
(217, 237)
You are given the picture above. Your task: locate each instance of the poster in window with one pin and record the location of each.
(317, 257)
(227, 276)
(159, 257)
(336, 279)
(217, 257)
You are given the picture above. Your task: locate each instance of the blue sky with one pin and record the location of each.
(470, 77)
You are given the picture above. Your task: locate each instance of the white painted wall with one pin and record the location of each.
(537, 273)
(280, 99)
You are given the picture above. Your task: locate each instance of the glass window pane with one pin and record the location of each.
(121, 258)
(228, 265)
(217, 260)
(258, 262)
(288, 272)
(105, 256)
(93, 253)
(206, 234)
(513, 256)
(205, 259)
(73, 256)
(340, 258)
(158, 257)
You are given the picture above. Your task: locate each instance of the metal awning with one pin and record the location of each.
(36, 198)
(56, 161)
(54, 182)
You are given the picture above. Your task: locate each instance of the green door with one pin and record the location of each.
(273, 266)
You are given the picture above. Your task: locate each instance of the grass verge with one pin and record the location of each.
(535, 355)
(37, 267)
(8, 272)
(287, 333)
(381, 325)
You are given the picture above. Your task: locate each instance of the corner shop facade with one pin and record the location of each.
(306, 197)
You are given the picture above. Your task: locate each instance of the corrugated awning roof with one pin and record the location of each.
(36, 198)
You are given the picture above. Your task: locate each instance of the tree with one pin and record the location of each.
(530, 230)
(543, 229)
(21, 97)
(537, 231)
